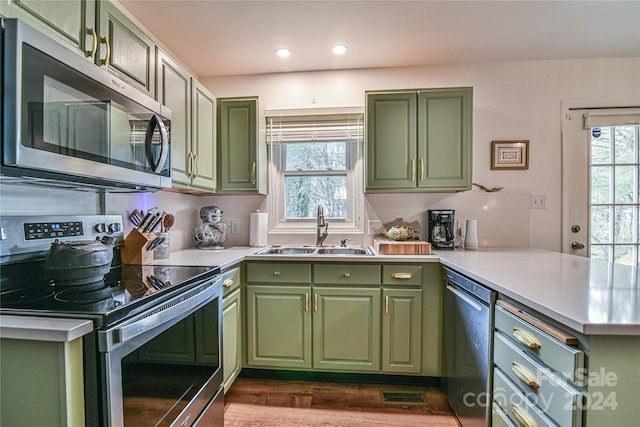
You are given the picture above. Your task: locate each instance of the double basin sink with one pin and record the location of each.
(315, 250)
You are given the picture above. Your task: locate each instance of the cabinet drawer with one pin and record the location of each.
(515, 405)
(559, 356)
(346, 274)
(402, 274)
(541, 385)
(499, 418)
(271, 272)
(230, 281)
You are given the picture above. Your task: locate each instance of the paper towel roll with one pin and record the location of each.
(258, 229)
(471, 235)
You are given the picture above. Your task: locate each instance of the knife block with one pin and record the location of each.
(135, 247)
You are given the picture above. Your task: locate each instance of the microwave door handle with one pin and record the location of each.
(164, 149)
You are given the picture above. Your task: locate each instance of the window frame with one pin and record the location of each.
(278, 224)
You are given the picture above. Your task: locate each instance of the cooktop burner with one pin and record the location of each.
(123, 291)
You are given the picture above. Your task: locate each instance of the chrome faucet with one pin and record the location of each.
(321, 234)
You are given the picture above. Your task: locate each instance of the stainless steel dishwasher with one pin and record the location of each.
(468, 323)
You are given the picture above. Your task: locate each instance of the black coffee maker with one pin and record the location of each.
(441, 228)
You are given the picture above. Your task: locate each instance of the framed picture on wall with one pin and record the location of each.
(509, 155)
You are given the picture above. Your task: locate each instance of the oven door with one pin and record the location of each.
(163, 367)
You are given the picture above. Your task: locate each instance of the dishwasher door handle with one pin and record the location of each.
(464, 297)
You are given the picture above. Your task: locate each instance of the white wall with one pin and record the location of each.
(512, 100)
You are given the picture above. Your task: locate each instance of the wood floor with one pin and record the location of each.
(279, 403)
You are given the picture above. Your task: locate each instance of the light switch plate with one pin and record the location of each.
(538, 201)
(373, 226)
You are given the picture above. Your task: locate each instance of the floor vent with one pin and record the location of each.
(404, 397)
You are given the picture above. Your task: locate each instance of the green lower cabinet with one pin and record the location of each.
(346, 329)
(402, 331)
(232, 338)
(279, 326)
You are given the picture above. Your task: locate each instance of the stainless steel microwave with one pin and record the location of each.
(66, 120)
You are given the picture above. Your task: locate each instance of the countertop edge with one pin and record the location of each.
(43, 328)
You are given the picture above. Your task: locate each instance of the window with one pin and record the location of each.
(315, 159)
(614, 200)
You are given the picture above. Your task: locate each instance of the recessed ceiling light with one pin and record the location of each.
(339, 49)
(283, 53)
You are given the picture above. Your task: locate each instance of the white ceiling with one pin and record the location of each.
(216, 38)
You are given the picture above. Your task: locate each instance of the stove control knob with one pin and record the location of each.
(113, 228)
(101, 228)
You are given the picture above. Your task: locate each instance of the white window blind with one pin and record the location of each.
(617, 117)
(347, 127)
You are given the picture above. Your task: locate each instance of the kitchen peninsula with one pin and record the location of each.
(596, 302)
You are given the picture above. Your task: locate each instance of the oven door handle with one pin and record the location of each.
(174, 309)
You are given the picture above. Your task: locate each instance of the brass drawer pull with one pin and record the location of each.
(346, 275)
(91, 53)
(527, 339)
(253, 173)
(413, 170)
(402, 276)
(228, 283)
(315, 303)
(386, 304)
(107, 57)
(277, 273)
(522, 416)
(525, 375)
(421, 169)
(306, 301)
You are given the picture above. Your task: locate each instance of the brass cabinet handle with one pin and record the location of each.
(421, 169)
(190, 166)
(402, 276)
(413, 170)
(105, 61)
(91, 53)
(227, 283)
(276, 273)
(346, 275)
(527, 339)
(253, 173)
(306, 301)
(196, 161)
(522, 416)
(525, 375)
(315, 303)
(386, 304)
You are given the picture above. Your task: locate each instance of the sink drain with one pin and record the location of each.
(404, 397)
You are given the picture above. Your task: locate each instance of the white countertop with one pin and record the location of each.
(591, 297)
(43, 328)
(588, 296)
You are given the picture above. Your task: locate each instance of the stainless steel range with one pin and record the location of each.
(154, 356)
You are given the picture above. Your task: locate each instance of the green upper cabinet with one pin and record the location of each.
(193, 122)
(242, 149)
(71, 22)
(419, 140)
(124, 49)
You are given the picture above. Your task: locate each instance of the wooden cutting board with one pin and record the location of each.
(402, 247)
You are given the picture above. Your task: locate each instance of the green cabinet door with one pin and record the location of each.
(346, 329)
(242, 149)
(402, 331)
(391, 140)
(419, 140)
(231, 339)
(174, 91)
(444, 139)
(71, 22)
(203, 145)
(278, 326)
(124, 50)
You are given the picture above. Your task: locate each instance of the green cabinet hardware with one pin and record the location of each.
(242, 149)
(419, 140)
(402, 331)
